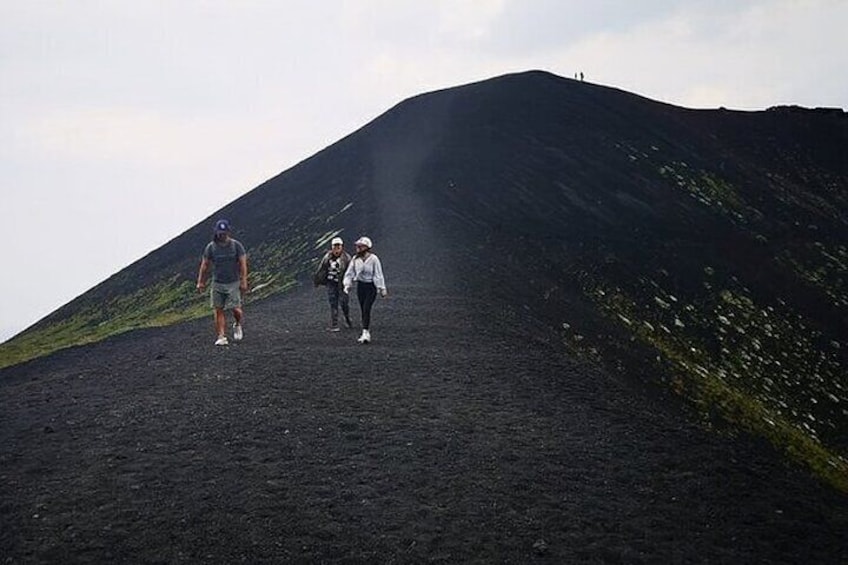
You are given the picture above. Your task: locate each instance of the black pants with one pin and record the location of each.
(367, 294)
(336, 298)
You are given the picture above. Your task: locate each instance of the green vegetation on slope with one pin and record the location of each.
(766, 376)
(750, 359)
(275, 267)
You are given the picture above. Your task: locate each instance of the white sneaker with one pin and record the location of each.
(238, 333)
(364, 337)
(222, 340)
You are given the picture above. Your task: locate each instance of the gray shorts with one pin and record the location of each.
(225, 295)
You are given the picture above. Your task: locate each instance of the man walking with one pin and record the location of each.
(229, 280)
(330, 272)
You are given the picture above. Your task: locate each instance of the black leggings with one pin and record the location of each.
(367, 294)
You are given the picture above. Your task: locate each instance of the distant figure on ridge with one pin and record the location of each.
(367, 272)
(581, 76)
(330, 273)
(229, 279)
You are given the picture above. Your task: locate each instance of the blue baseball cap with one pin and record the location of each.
(222, 226)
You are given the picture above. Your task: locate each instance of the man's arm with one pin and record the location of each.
(201, 274)
(319, 276)
(243, 273)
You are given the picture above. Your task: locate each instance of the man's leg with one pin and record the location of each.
(235, 304)
(333, 298)
(220, 322)
(218, 300)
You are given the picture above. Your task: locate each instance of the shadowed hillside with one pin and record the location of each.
(538, 234)
(703, 248)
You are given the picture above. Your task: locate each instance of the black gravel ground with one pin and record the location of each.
(445, 440)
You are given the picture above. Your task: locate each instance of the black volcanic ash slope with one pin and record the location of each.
(703, 249)
(712, 242)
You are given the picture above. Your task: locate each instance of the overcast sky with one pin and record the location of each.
(125, 122)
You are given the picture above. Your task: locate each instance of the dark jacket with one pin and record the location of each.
(319, 278)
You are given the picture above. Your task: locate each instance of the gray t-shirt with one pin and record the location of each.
(225, 260)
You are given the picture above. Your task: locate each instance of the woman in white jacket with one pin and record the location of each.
(367, 272)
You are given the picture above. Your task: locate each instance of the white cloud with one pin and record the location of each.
(467, 21)
(752, 57)
(141, 136)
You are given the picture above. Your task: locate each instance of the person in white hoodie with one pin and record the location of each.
(366, 271)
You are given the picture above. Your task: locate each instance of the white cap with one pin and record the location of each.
(366, 241)
(337, 241)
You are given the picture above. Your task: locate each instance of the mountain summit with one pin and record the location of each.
(537, 233)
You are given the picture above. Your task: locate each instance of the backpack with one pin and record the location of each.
(319, 277)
